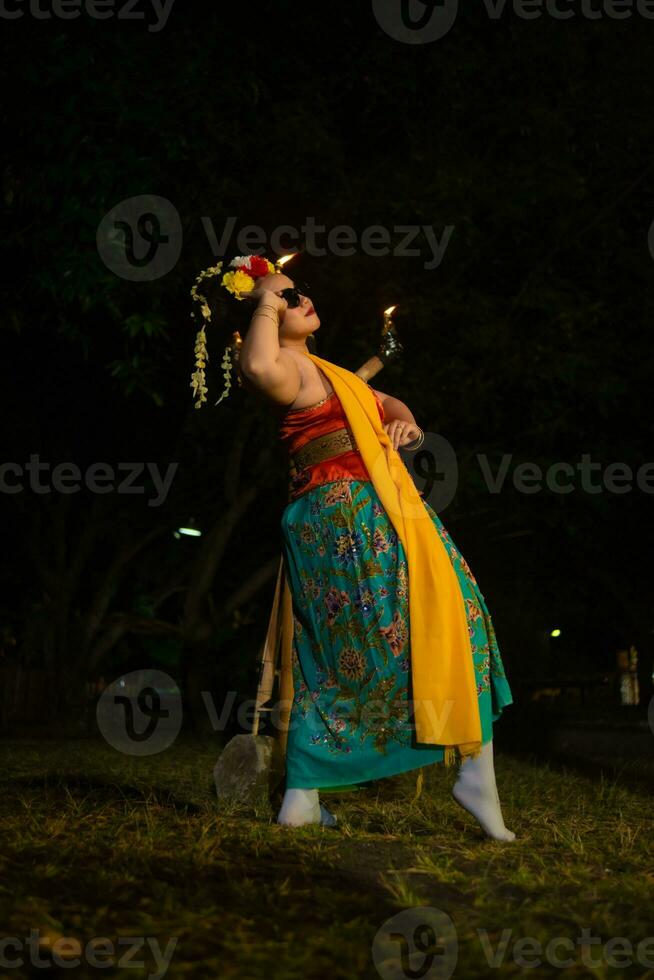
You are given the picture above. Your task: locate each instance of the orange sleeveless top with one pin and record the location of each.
(299, 425)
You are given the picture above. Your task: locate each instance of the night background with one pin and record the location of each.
(525, 145)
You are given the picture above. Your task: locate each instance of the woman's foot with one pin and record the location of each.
(475, 790)
(302, 806)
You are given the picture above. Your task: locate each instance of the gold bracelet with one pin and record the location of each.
(276, 322)
(266, 306)
(265, 313)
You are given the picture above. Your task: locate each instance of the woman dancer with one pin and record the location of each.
(357, 633)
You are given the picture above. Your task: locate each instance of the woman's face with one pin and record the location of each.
(297, 324)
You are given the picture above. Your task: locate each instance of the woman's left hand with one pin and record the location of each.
(401, 432)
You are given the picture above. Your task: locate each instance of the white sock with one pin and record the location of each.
(299, 806)
(475, 790)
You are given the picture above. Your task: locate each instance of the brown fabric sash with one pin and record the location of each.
(321, 448)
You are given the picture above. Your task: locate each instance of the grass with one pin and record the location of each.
(96, 844)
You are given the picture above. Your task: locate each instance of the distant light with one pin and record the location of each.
(389, 310)
(191, 532)
(555, 633)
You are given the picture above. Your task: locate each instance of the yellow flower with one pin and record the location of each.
(238, 282)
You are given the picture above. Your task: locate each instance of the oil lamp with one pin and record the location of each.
(389, 347)
(390, 344)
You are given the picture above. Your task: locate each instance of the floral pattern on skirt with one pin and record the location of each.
(350, 720)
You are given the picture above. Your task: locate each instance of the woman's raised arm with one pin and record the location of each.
(267, 366)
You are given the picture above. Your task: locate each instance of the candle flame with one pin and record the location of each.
(285, 258)
(389, 310)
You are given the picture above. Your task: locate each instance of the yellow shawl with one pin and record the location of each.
(444, 696)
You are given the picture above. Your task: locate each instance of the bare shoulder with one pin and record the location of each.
(281, 383)
(296, 368)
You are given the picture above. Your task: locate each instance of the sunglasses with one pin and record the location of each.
(293, 294)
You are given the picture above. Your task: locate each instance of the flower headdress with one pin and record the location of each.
(239, 282)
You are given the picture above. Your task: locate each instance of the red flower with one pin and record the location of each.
(258, 266)
(242, 268)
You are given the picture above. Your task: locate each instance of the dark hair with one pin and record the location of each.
(227, 312)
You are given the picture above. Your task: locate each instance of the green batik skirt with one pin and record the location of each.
(351, 721)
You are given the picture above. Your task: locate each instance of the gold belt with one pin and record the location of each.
(321, 448)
